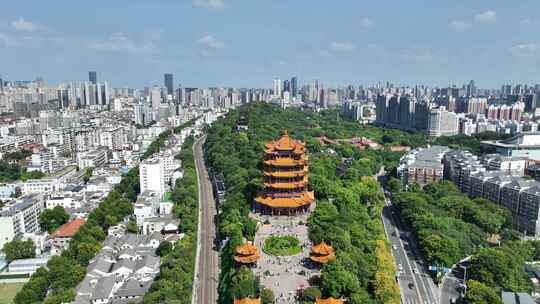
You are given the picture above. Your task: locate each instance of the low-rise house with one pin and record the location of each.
(61, 238)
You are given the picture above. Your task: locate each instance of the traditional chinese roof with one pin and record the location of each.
(286, 162)
(247, 301)
(322, 249)
(285, 143)
(322, 253)
(247, 253)
(287, 185)
(329, 301)
(69, 229)
(287, 173)
(286, 202)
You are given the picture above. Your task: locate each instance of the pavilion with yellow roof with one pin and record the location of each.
(247, 301)
(247, 254)
(329, 301)
(285, 189)
(322, 253)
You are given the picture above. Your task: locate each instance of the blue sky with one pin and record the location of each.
(246, 43)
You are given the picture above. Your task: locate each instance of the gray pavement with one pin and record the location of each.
(207, 260)
(284, 275)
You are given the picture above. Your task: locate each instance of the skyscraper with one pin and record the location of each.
(155, 97)
(294, 86)
(169, 84)
(92, 77)
(1, 84)
(277, 87)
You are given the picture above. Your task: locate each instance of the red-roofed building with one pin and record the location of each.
(62, 236)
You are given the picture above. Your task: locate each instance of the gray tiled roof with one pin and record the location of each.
(133, 288)
(103, 288)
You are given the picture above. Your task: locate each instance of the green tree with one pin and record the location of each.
(394, 185)
(478, 293)
(51, 219)
(132, 226)
(499, 269)
(267, 296)
(164, 248)
(18, 249)
(88, 172)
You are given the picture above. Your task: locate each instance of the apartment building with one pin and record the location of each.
(422, 166)
(20, 217)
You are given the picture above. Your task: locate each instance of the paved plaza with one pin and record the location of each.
(284, 275)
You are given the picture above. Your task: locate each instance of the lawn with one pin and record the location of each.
(282, 245)
(8, 292)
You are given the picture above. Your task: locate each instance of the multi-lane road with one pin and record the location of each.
(207, 260)
(415, 284)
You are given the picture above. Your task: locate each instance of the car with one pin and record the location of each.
(411, 286)
(394, 246)
(400, 267)
(415, 270)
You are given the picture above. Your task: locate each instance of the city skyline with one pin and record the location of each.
(220, 42)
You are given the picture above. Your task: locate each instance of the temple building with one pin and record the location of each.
(247, 254)
(285, 189)
(322, 253)
(329, 301)
(247, 301)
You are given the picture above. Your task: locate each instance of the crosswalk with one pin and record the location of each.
(414, 300)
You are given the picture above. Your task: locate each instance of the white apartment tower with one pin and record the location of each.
(152, 176)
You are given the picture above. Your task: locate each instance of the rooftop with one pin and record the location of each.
(69, 229)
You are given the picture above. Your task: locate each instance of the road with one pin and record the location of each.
(207, 261)
(452, 284)
(415, 284)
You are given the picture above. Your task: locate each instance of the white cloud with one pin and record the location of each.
(210, 42)
(8, 41)
(525, 21)
(525, 49)
(120, 42)
(459, 25)
(366, 23)
(25, 26)
(209, 3)
(487, 16)
(342, 46)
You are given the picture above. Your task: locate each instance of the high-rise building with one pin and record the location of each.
(92, 77)
(169, 84)
(1, 84)
(442, 122)
(152, 176)
(286, 86)
(155, 97)
(294, 86)
(277, 87)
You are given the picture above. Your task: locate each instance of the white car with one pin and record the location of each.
(400, 267)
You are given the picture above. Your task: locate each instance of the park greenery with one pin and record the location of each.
(282, 245)
(19, 249)
(56, 283)
(175, 282)
(51, 219)
(471, 143)
(447, 224)
(349, 205)
(450, 226)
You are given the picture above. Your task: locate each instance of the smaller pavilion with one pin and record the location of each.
(329, 301)
(322, 253)
(247, 301)
(247, 254)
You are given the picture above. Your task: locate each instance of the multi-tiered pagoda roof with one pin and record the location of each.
(322, 253)
(247, 254)
(285, 177)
